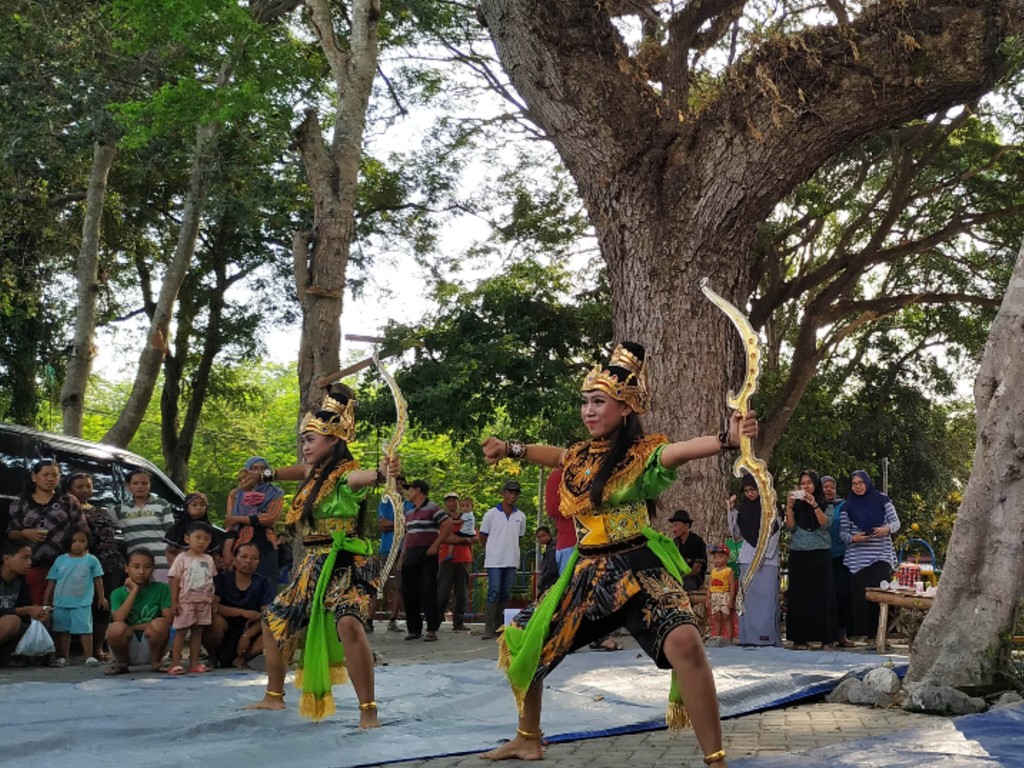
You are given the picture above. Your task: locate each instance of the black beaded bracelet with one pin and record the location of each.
(381, 478)
(515, 449)
(724, 443)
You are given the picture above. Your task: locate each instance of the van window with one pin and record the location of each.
(14, 463)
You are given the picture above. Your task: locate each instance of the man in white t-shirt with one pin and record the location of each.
(500, 531)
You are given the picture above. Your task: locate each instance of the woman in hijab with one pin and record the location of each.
(811, 614)
(253, 510)
(868, 520)
(759, 623)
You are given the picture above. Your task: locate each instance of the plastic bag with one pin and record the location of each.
(35, 642)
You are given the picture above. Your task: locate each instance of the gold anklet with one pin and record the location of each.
(275, 694)
(530, 735)
(368, 706)
(714, 757)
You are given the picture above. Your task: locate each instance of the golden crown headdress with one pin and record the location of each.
(632, 390)
(340, 423)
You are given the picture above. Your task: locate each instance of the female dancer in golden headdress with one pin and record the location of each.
(331, 589)
(623, 573)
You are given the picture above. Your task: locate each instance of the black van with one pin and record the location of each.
(110, 467)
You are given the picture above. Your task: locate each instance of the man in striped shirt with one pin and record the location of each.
(426, 527)
(144, 520)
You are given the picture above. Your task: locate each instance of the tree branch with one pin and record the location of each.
(805, 97)
(888, 304)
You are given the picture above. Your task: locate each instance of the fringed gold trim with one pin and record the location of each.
(504, 662)
(504, 654)
(316, 708)
(520, 697)
(675, 717)
(339, 674)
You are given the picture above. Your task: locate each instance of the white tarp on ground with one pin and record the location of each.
(428, 710)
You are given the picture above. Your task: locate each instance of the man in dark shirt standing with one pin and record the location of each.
(426, 527)
(691, 547)
(548, 573)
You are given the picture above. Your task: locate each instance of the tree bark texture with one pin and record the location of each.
(960, 641)
(676, 195)
(321, 256)
(76, 377)
(178, 434)
(152, 356)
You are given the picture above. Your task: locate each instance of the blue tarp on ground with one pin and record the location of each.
(152, 721)
(992, 739)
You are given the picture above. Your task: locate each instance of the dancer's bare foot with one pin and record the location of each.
(368, 719)
(518, 748)
(267, 702)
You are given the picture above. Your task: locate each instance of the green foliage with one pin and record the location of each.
(513, 348)
(253, 413)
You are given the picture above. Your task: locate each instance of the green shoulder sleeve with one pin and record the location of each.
(656, 477)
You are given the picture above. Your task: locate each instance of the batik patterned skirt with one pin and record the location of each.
(630, 589)
(353, 583)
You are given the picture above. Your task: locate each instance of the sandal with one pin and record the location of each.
(199, 669)
(801, 647)
(177, 669)
(844, 643)
(117, 669)
(606, 645)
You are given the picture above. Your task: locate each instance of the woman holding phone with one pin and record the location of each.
(812, 615)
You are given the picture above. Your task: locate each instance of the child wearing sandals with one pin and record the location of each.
(141, 609)
(74, 581)
(191, 581)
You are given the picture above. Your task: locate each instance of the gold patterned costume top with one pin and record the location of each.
(635, 479)
(337, 577)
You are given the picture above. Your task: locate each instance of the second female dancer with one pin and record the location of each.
(623, 573)
(331, 589)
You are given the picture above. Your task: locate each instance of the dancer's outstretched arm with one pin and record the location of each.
(545, 455)
(676, 454)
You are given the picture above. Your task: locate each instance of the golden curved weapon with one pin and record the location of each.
(391, 492)
(747, 461)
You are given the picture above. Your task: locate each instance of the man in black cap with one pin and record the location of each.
(691, 547)
(500, 531)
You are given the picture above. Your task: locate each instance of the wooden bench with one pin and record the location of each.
(885, 598)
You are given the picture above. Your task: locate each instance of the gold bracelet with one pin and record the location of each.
(530, 735)
(714, 757)
(368, 706)
(275, 694)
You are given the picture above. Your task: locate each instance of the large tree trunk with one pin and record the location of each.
(676, 195)
(76, 377)
(960, 641)
(321, 257)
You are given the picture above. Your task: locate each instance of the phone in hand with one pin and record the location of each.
(797, 494)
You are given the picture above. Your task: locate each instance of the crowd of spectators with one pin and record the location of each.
(173, 576)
